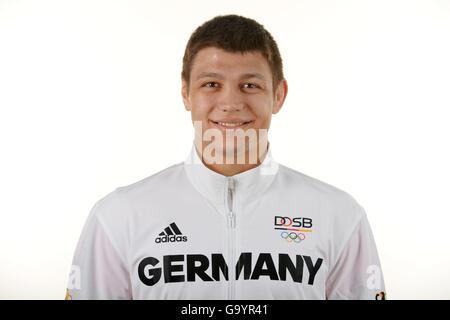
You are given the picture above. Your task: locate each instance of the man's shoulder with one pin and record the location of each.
(313, 188)
(119, 199)
(157, 180)
(296, 178)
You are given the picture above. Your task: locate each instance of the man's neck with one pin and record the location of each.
(229, 170)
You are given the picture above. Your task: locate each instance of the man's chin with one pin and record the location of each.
(227, 151)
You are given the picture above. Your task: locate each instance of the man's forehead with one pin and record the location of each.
(214, 62)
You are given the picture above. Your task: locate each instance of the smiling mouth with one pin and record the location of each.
(230, 125)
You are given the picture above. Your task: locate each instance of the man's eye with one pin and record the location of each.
(210, 84)
(250, 85)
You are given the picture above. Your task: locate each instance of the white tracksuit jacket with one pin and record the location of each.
(188, 232)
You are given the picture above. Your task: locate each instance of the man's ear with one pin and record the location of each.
(280, 96)
(185, 95)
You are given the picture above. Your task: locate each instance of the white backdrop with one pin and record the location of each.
(90, 100)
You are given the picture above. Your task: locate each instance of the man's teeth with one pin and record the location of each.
(229, 124)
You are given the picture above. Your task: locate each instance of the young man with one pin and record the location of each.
(229, 222)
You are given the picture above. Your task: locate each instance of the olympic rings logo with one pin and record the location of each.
(293, 236)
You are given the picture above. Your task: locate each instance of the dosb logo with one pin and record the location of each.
(294, 229)
(293, 222)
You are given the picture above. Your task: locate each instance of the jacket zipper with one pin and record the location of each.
(231, 240)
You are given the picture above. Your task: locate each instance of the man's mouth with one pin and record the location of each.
(230, 125)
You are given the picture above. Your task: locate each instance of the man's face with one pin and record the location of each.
(230, 91)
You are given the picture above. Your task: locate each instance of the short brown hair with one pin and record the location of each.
(234, 33)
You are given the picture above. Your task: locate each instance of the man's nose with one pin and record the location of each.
(231, 100)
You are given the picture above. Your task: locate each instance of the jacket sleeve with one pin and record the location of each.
(357, 273)
(98, 270)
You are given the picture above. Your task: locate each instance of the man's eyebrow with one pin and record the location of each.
(209, 75)
(253, 75)
(217, 75)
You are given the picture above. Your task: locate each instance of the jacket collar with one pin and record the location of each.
(248, 185)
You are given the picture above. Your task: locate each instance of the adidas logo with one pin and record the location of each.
(171, 234)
